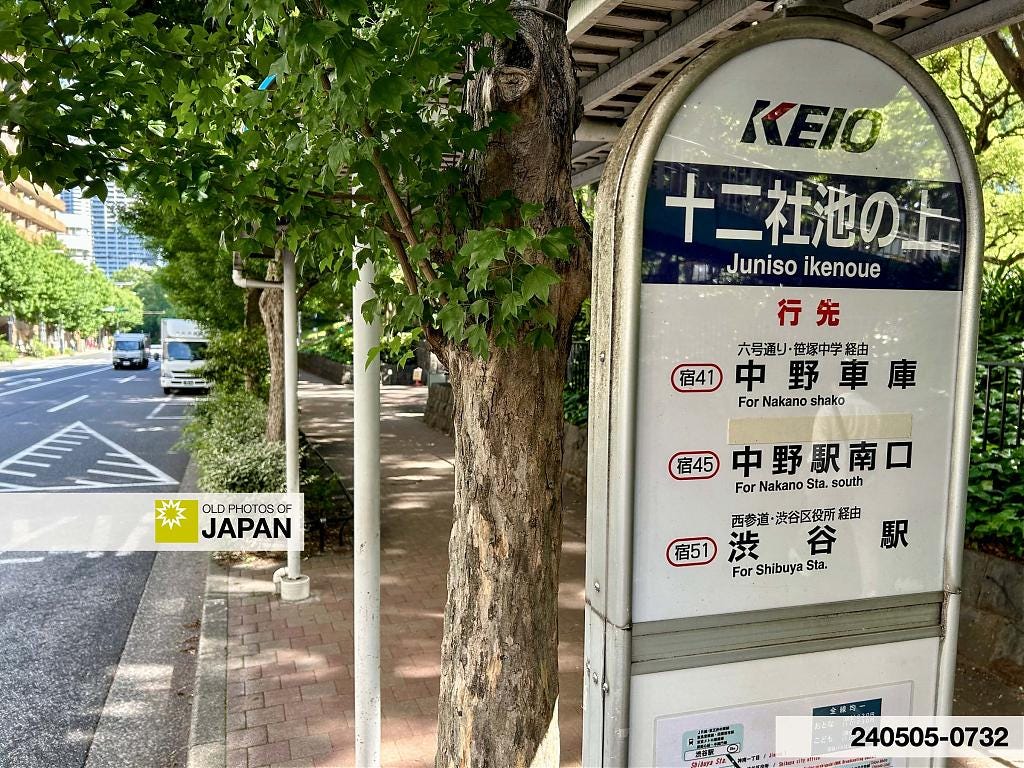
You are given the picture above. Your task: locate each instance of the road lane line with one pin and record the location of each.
(58, 448)
(16, 472)
(8, 382)
(62, 406)
(53, 381)
(36, 375)
(118, 474)
(116, 463)
(40, 455)
(126, 379)
(31, 463)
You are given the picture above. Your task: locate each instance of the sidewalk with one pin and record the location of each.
(290, 685)
(88, 355)
(290, 691)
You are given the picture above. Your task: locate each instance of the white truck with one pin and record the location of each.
(183, 350)
(130, 350)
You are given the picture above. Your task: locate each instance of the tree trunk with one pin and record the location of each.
(252, 307)
(253, 320)
(499, 666)
(272, 311)
(499, 661)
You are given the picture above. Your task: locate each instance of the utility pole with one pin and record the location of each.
(290, 580)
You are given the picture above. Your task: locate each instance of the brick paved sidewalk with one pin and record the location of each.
(290, 666)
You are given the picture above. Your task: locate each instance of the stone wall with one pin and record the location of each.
(438, 415)
(992, 611)
(325, 368)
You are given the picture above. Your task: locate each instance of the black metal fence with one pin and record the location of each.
(998, 398)
(577, 375)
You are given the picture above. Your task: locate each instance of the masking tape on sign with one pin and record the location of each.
(816, 429)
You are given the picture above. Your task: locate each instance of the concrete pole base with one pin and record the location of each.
(294, 589)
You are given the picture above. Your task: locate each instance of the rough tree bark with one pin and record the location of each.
(499, 668)
(272, 310)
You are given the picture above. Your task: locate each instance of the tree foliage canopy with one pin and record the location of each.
(355, 142)
(992, 114)
(39, 283)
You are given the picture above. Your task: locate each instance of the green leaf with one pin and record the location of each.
(477, 337)
(538, 282)
(452, 318)
(556, 243)
(386, 93)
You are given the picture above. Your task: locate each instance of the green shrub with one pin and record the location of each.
(1001, 325)
(36, 349)
(333, 342)
(7, 352)
(238, 360)
(575, 404)
(226, 438)
(234, 467)
(995, 500)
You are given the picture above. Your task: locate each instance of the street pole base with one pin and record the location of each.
(294, 589)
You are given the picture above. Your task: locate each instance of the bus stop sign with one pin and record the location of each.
(786, 279)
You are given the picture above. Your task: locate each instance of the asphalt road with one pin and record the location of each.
(76, 426)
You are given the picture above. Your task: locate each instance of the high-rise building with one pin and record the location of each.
(114, 246)
(77, 217)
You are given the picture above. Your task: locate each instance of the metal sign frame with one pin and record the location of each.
(614, 647)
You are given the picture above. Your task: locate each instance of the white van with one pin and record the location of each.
(183, 348)
(131, 350)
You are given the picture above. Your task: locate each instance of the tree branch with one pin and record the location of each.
(307, 286)
(400, 253)
(399, 208)
(1010, 63)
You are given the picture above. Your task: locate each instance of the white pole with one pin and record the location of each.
(295, 586)
(366, 382)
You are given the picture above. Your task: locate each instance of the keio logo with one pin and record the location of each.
(814, 126)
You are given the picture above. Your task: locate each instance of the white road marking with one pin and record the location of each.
(112, 473)
(34, 375)
(52, 381)
(126, 379)
(32, 463)
(78, 434)
(62, 406)
(40, 455)
(164, 403)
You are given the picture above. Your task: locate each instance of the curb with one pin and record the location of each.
(207, 741)
(207, 737)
